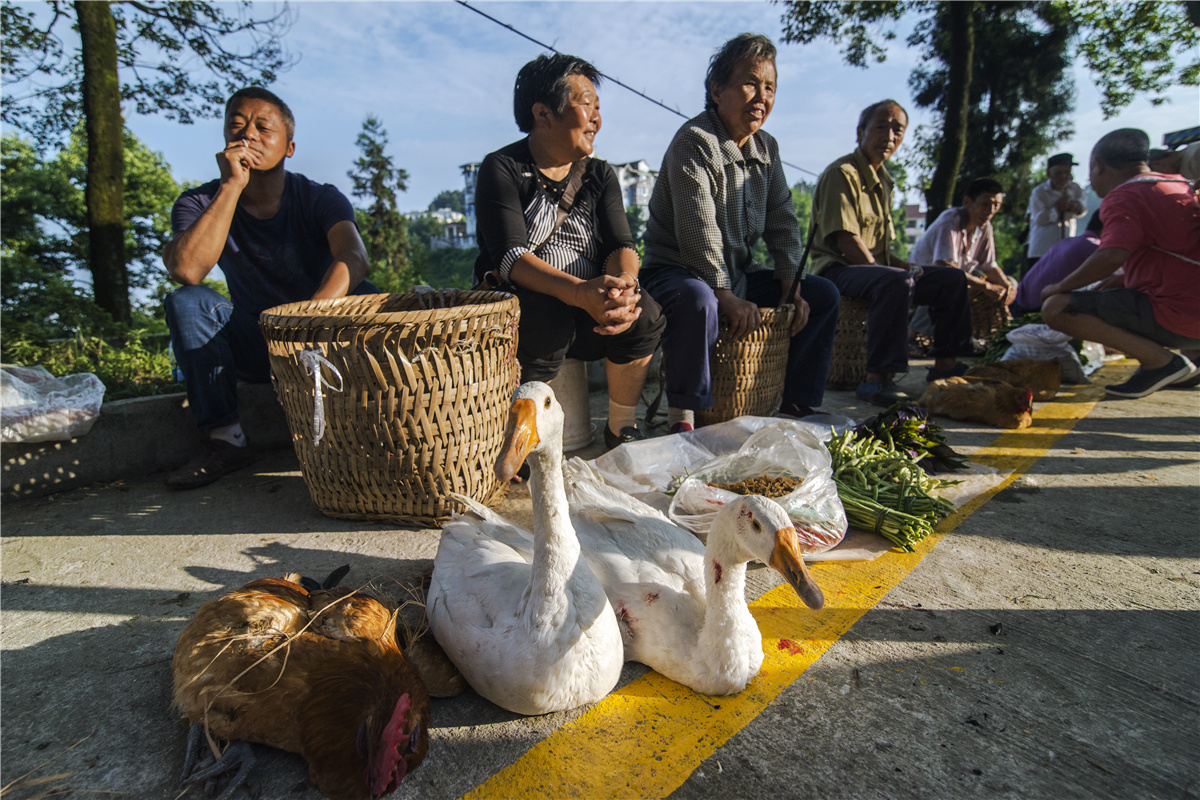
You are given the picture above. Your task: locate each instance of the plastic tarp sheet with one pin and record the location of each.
(650, 469)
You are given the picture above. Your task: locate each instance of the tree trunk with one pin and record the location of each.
(961, 23)
(105, 191)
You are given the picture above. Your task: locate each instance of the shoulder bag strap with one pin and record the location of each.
(575, 180)
(491, 278)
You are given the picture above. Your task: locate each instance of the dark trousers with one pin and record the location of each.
(890, 293)
(550, 332)
(690, 306)
(215, 345)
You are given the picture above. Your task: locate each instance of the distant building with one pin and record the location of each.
(454, 234)
(443, 215)
(470, 176)
(636, 180)
(914, 223)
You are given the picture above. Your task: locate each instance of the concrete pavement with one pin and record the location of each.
(1045, 647)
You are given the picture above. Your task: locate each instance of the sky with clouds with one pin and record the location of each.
(440, 77)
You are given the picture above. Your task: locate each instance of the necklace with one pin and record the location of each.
(550, 186)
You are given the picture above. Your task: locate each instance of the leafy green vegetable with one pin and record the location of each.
(884, 490)
(907, 428)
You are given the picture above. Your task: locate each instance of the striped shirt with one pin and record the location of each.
(516, 207)
(714, 200)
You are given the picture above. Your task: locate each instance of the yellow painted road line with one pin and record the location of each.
(646, 738)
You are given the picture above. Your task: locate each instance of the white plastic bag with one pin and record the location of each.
(778, 450)
(1041, 342)
(35, 406)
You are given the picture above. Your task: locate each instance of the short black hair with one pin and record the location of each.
(546, 80)
(982, 186)
(869, 112)
(1123, 147)
(753, 47)
(267, 96)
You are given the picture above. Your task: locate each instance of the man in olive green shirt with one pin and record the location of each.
(851, 248)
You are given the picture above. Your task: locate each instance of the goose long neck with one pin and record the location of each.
(555, 546)
(724, 581)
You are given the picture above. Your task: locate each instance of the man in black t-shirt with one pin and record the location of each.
(278, 237)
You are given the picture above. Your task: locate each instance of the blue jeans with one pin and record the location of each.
(890, 292)
(215, 345)
(690, 306)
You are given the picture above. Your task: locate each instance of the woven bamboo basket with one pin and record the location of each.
(747, 374)
(424, 384)
(988, 316)
(848, 364)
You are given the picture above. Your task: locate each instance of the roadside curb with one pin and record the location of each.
(132, 439)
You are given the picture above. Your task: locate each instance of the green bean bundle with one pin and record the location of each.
(884, 490)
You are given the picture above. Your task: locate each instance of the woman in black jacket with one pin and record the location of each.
(551, 225)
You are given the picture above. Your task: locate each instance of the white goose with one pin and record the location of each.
(681, 604)
(523, 617)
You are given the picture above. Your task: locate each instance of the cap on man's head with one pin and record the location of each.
(1062, 159)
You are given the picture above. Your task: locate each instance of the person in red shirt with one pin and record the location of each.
(1152, 231)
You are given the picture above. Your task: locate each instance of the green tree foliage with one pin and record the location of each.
(900, 223)
(1020, 98)
(46, 236)
(1131, 48)
(635, 216)
(1134, 48)
(443, 267)
(452, 199)
(446, 267)
(63, 63)
(425, 227)
(802, 202)
(377, 179)
(802, 194)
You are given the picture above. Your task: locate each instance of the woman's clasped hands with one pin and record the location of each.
(612, 301)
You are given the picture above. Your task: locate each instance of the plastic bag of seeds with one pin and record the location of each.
(785, 461)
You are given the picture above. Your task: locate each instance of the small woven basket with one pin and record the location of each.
(394, 401)
(848, 364)
(747, 374)
(988, 315)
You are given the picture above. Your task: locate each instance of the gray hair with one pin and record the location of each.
(1123, 147)
(752, 47)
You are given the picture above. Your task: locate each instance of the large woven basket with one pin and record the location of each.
(848, 364)
(424, 383)
(988, 315)
(747, 374)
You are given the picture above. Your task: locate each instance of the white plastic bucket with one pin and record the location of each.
(571, 388)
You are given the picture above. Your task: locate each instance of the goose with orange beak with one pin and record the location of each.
(680, 604)
(521, 615)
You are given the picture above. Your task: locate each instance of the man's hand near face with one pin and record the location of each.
(235, 163)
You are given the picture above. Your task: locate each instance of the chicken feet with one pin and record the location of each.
(237, 754)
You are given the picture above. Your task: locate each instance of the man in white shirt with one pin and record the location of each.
(962, 237)
(1053, 207)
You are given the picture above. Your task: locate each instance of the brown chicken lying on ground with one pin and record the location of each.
(995, 403)
(1044, 378)
(316, 673)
